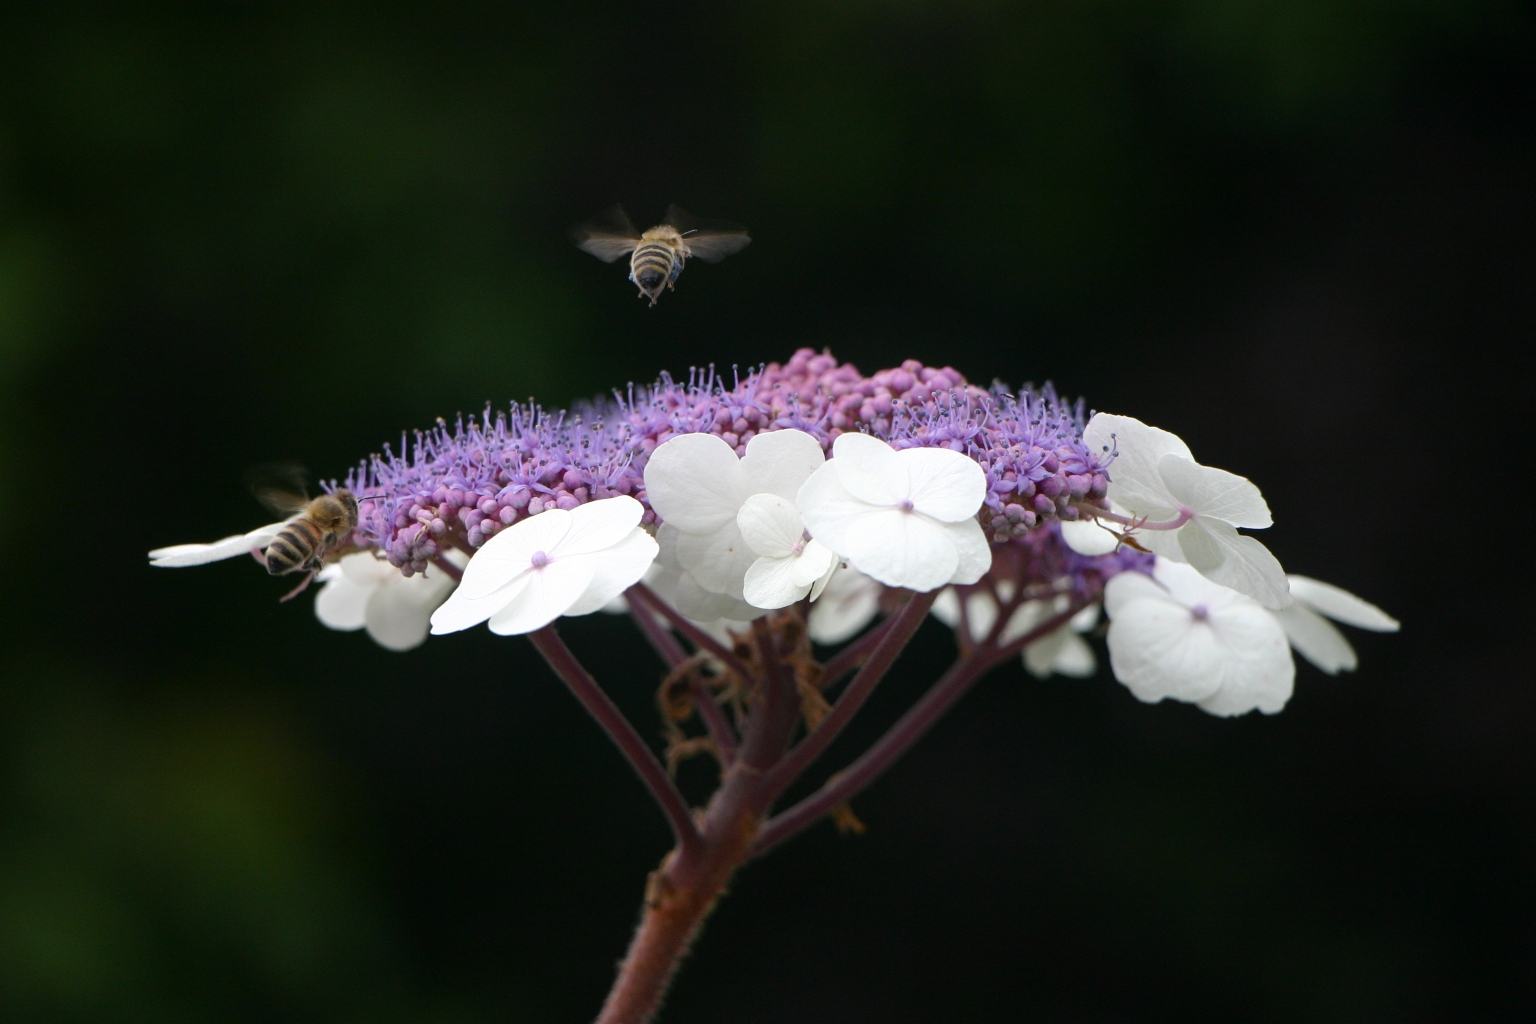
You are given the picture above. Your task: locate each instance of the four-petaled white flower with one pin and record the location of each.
(698, 487)
(1060, 652)
(552, 564)
(790, 564)
(1182, 636)
(847, 605)
(1317, 639)
(906, 518)
(1155, 477)
(362, 590)
(179, 555)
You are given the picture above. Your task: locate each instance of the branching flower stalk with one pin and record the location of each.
(749, 529)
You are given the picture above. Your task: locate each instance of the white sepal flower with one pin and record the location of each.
(1154, 476)
(848, 604)
(179, 555)
(364, 591)
(697, 486)
(906, 518)
(555, 563)
(1063, 651)
(676, 586)
(790, 565)
(1060, 652)
(1317, 639)
(1182, 636)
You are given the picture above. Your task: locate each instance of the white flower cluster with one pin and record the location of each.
(1178, 634)
(1181, 510)
(1212, 625)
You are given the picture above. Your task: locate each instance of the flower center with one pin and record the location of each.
(1200, 613)
(539, 560)
(799, 547)
(905, 504)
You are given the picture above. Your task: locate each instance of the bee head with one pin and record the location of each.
(349, 502)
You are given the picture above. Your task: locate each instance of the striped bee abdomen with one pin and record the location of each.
(294, 548)
(653, 266)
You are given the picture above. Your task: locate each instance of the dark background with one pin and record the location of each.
(1296, 232)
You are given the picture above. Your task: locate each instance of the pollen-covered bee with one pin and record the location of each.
(317, 525)
(321, 524)
(656, 257)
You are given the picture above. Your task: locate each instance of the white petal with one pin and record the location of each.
(550, 592)
(343, 602)
(1129, 586)
(718, 560)
(849, 602)
(597, 526)
(506, 556)
(703, 606)
(870, 470)
(980, 613)
(367, 569)
(1215, 493)
(815, 562)
(399, 613)
(1134, 479)
(902, 549)
(1264, 675)
(1162, 543)
(1089, 537)
(779, 461)
(1084, 620)
(770, 525)
(695, 482)
(1340, 605)
(1242, 563)
(770, 583)
(1158, 650)
(973, 553)
(943, 484)
(179, 556)
(1025, 618)
(1076, 658)
(946, 607)
(829, 509)
(1316, 639)
(833, 564)
(461, 612)
(1040, 656)
(616, 570)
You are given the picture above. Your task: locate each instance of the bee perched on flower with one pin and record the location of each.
(779, 539)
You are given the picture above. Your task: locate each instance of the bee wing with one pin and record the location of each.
(708, 240)
(607, 236)
(281, 486)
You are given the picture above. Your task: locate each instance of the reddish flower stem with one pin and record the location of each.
(904, 624)
(640, 756)
(899, 738)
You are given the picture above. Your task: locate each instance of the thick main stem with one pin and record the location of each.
(682, 891)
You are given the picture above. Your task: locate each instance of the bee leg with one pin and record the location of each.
(260, 556)
(309, 578)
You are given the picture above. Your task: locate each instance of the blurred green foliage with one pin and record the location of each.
(236, 233)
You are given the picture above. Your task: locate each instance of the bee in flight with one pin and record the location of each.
(318, 527)
(657, 256)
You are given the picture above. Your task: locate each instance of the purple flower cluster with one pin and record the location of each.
(459, 485)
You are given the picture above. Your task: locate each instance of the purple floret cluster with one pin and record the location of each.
(458, 485)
